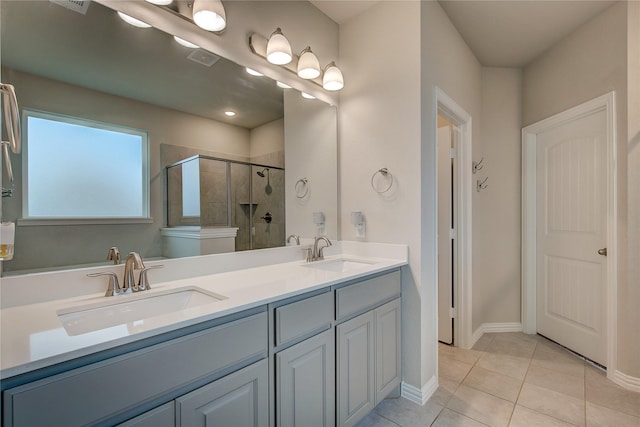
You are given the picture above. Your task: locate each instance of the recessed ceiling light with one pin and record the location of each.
(307, 96)
(254, 72)
(133, 21)
(283, 85)
(185, 43)
(161, 2)
(230, 113)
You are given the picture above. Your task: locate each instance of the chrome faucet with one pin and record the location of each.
(294, 237)
(133, 262)
(317, 254)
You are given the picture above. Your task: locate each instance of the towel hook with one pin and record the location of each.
(481, 184)
(477, 165)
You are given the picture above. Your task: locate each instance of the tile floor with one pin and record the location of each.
(518, 380)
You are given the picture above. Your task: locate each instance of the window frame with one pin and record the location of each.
(26, 219)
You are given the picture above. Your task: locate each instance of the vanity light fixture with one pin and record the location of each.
(229, 113)
(254, 72)
(282, 85)
(185, 43)
(278, 48)
(307, 96)
(209, 15)
(161, 2)
(133, 21)
(308, 65)
(332, 79)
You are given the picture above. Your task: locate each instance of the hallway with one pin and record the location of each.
(518, 380)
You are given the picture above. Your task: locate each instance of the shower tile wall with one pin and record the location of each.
(268, 196)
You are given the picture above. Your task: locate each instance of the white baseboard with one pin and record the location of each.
(495, 327)
(626, 381)
(419, 395)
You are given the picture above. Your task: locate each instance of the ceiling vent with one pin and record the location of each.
(79, 6)
(203, 57)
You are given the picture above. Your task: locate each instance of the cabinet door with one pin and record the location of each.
(305, 383)
(388, 345)
(162, 416)
(240, 399)
(355, 375)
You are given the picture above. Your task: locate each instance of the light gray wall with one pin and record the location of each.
(496, 210)
(588, 63)
(379, 126)
(448, 63)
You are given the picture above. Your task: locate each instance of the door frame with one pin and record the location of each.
(529, 139)
(462, 297)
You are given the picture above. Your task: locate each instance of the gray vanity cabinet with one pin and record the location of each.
(355, 369)
(162, 416)
(106, 392)
(304, 354)
(240, 399)
(368, 345)
(305, 383)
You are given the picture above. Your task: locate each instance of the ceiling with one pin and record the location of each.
(502, 33)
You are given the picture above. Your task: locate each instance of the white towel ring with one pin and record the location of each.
(302, 184)
(384, 172)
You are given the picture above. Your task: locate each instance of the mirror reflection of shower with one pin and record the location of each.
(265, 172)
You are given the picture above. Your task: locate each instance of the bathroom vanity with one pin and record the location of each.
(319, 344)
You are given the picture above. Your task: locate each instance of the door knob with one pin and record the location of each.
(602, 251)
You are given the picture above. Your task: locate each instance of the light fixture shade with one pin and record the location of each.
(253, 72)
(133, 21)
(185, 43)
(282, 85)
(307, 95)
(278, 49)
(209, 15)
(332, 79)
(308, 65)
(161, 2)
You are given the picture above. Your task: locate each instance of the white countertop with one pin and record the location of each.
(33, 336)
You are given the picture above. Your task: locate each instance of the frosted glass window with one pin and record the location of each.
(83, 169)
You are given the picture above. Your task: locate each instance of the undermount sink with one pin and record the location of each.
(123, 309)
(340, 265)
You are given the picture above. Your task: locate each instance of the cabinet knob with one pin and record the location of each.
(602, 251)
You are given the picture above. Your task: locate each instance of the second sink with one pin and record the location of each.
(341, 265)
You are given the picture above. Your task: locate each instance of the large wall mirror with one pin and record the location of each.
(262, 173)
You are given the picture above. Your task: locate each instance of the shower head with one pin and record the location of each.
(262, 173)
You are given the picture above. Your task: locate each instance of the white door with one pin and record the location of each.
(571, 226)
(445, 243)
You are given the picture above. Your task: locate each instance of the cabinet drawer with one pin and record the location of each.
(163, 416)
(367, 294)
(94, 393)
(302, 317)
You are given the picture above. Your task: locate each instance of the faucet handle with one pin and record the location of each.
(114, 287)
(309, 253)
(143, 280)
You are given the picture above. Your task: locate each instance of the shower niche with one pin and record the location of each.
(217, 205)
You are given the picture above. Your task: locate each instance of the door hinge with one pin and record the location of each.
(452, 153)
(452, 233)
(454, 313)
